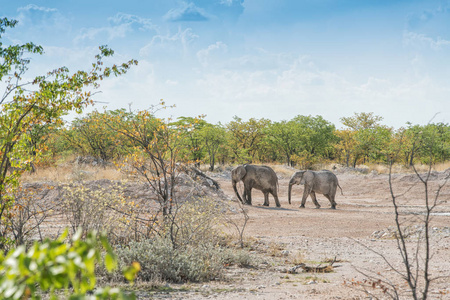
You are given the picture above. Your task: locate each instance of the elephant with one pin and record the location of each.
(322, 182)
(262, 178)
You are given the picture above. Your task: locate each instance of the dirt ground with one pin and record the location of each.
(358, 234)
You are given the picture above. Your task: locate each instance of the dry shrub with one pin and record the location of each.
(186, 248)
(103, 209)
(23, 223)
(196, 222)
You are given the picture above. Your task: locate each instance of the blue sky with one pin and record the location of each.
(270, 59)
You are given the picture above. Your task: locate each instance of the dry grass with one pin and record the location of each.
(397, 168)
(67, 171)
(71, 172)
(442, 166)
(283, 170)
(297, 258)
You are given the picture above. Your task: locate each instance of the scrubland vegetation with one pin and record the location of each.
(304, 142)
(164, 236)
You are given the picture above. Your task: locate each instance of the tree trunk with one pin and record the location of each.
(411, 158)
(212, 162)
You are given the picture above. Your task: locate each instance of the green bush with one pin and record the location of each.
(159, 261)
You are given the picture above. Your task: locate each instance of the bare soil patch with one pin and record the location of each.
(352, 235)
(361, 225)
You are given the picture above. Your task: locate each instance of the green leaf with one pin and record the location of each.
(130, 272)
(110, 261)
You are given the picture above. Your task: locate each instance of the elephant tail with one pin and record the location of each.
(341, 189)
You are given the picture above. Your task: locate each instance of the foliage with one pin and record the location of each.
(214, 137)
(23, 109)
(246, 138)
(183, 249)
(303, 140)
(99, 208)
(160, 261)
(59, 266)
(192, 139)
(155, 152)
(93, 137)
(361, 121)
(195, 223)
(428, 143)
(365, 138)
(157, 157)
(346, 146)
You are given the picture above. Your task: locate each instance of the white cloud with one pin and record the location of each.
(204, 54)
(33, 7)
(302, 87)
(40, 19)
(169, 43)
(171, 82)
(226, 2)
(187, 12)
(418, 39)
(131, 21)
(121, 25)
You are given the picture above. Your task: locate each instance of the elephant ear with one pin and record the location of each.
(307, 177)
(240, 172)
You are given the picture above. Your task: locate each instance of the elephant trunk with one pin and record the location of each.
(291, 183)
(236, 191)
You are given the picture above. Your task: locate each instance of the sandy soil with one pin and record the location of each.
(357, 234)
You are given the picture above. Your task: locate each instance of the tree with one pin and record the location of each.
(431, 141)
(156, 156)
(21, 108)
(246, 138)
(316, 134)
(92, 136)
(365, 138)
(156, 150)
(282, 136)
(362, 121)
(214, 137)
(190, 129)
(347, 145)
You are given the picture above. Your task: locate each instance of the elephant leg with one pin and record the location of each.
(313, 197)
(244, 196)
(249, 196)
(306, 192)
(275, 196)
(266, 199)
(333, 203)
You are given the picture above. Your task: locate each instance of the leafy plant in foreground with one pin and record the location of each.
(59, 266)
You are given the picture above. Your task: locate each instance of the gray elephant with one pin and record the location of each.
(262, 178)
(322, 182)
